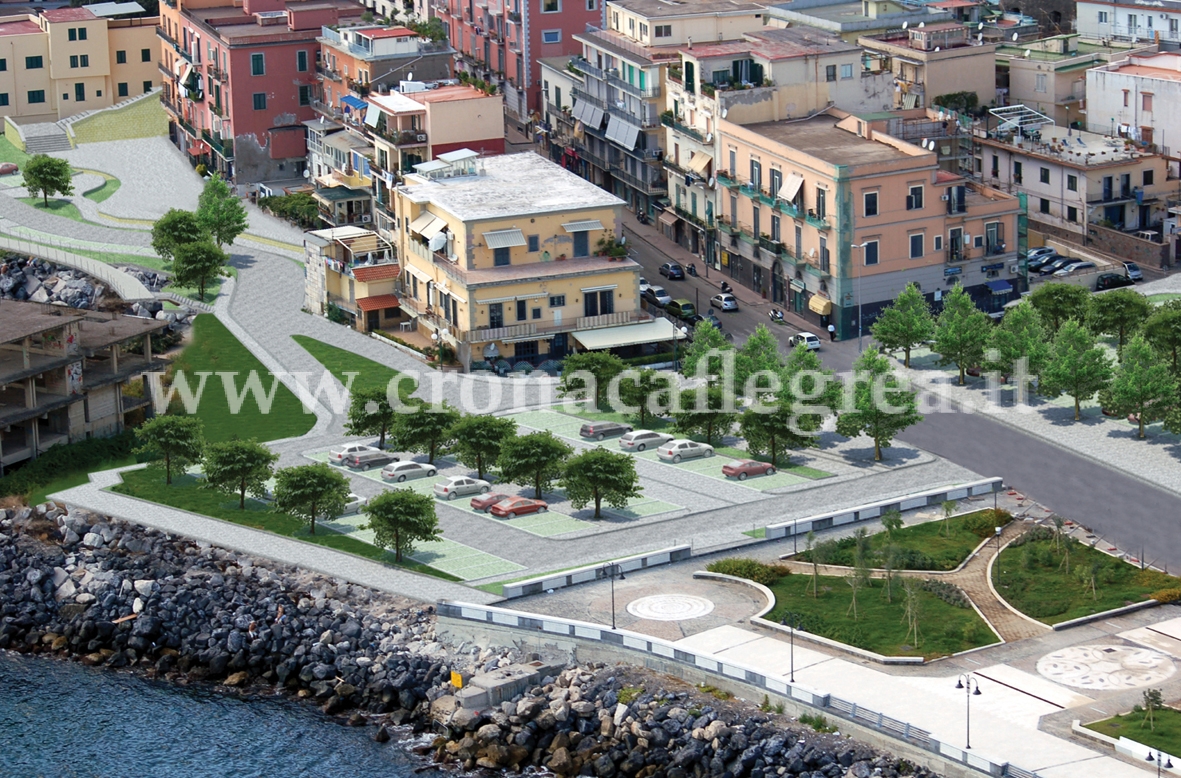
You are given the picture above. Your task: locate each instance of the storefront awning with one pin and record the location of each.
(700, 162)
(667, 218)
(354, 103)
(1000, 287)
(819, 305)
(797, 285)
(503, 239)
(586, 225)
(654, 331)
(791, 187)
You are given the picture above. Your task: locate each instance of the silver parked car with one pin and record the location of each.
(676, 450)
(458, 485)
(400, 471)
(338, 455)
(641, 440)
(727, 302)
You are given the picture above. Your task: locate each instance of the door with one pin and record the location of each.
(582, 244)
(373, 321)
(557, 348)
(496, 315)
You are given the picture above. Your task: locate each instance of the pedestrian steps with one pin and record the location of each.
(45, 137)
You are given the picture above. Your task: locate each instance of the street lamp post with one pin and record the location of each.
(791, 621)
(858, 290)
(971, 688)
(611, 571)
(1165, 764)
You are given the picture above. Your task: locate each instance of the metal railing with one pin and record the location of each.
(583, 66)
(124, 285)
(669, 121)
(647, 186)
(819, 222)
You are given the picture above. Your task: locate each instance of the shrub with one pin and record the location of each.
(300, 208)
(629, 693)
(949, 593)
(202, 169)
(1034, 535)
(1166, 595)
(60, 461)
(817, 722)
(984, 524)
(750, 569)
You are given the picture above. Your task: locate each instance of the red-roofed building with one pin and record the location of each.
(352, 269)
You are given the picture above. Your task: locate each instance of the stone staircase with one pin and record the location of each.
(45, 138)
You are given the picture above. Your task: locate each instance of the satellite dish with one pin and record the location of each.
(1028, 52)
(438, 241)
(709, 136)
(712, 181)
(980, 38)
(936, 48)
(980, 26)
(410, 76)
(905, 25)
(922, 25)
(724, 112)
(1014, 36)
(931, 145)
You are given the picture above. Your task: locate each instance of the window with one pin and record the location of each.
(501, 257)
(72, 33)
(145, 55)
(821, 206)
(756, 174)
(871, 203)
(824, 254)
(871, 253)
(1149, 177)
(551, 6)
(81, 33)
(1039, 84)
(914, 200)
(1125, 98)
(301, 61)
(73, 60)
(1017, 172)
(258, 64)
(121, 89)
(643, 30)
(591, 5)
(996, 166)
(733, 163)
(916, 246)
(756, 220)
(776, 182)
(120, 57)
(1071, 214)
(305, 94)
(260, 101)
(557, 301)
(551, 36)
(3, 64)
(522, 310)
(1043, 175)
(1145, 102)
(534, 243)
(80, 92)
(33, 63)
(496, 315)
(536, 313)
(938, 246)
(85, 60)
(830, 73)
(147, 87)
(846, 72)
(3, 98)
(1103, 17)
(775, 228)
(1043, 205)
(663, 31)
(1072, 182)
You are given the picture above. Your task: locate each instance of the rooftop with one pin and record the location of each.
(1072, 147)
(843, 13)
(1165, 65)
(115, 9)
(346, 141)
(96, 330)
(774, 43)
(24, 319)
(19, 28)
(622, 46)
(232, 22)
(820, 137)
(396, 102)
(447, 94)
(68, 15)
(509, 186)
(388, 32)
(655, 9)
(565, 268)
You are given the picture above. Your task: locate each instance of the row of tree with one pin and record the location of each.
(192, 241)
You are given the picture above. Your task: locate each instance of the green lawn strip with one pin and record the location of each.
(56, 207)
(803, 471)
(1162, 297)
(76, 478)
(109, 186)
(186, 493)
(370, 374)
(10, 153)
(1034, 579)
(213, 348)
(923, 546)
(881, 625)
(1164, 734)
(760, 533)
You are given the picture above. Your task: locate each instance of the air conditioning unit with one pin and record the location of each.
(945, 198)
(1014, 268)
(420, 138)
(366, 218)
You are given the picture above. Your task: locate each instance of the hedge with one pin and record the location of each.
(61, 461)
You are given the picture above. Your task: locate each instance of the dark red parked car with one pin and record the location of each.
(743, 468)
(518, 506)
(486, 501)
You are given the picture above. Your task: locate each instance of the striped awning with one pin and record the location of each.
(586, 225)
(791, 188)
(424, 218)
(436, 226)
(700, 162)
(503, 239)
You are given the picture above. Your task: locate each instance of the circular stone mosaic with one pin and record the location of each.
(1106, 667)
(670, 607)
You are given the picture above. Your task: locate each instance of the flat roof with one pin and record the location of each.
(1162, 65)
(512, 185)
(448, 94)
(99, 331)
(661, 8)
(345, 141)
(115, 9)
(774, 43)
(387, 32)
(396, 102)
(19, 28)
(23, 319)
(820, 137)
(69, 15)
(335, 194)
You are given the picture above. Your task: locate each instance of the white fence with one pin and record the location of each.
(116, 280)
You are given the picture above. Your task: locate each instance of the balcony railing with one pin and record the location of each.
(485, 334)
(223, 147)
(669, 121)
(788, 209)
(773, 247)
(647, 121)
(728, 181)
(957, 254)
(585, 67)
(319, 106)
(216, 73)
(325, 72)
(654, 186)
(406, 137)
(819, 222)
(620, 83)
(581, 94)
(695, 219)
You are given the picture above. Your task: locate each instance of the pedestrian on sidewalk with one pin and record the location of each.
(832, 332)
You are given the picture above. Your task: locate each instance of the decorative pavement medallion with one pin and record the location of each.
(1106, 667)
(670, 607)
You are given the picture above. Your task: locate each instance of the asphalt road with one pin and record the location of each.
(1132, 514)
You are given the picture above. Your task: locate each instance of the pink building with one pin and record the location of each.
(502, 41)
(241, 80)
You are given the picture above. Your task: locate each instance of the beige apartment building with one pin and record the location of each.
(833, 218)
(64, 61)
(932, 60)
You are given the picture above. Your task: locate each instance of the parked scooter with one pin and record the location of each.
(776, 316)
(726, 288)
(691, 269)
(641, 217)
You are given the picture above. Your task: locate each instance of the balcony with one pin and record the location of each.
(581, 95)
(668, 120)
(787, 209)
(216, 73)
(772, 247)
(485, 334)
(645, 186)
(582, 66)
(325, 72)
(728, 181)
(321, 107)
(225, 148)
(645, 122)
(619, 83)
(693, 218)
(406, 137)
(958, 254)
(819, 222)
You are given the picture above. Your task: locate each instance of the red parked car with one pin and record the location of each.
(518, 506)
(742, 468)
(8, 168)
(486, 501)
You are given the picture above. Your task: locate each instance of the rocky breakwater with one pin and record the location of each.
(601, 721)
(122, 596)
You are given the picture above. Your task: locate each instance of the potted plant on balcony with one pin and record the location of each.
(611, 248)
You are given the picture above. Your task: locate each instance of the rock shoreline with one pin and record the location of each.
(104, 592)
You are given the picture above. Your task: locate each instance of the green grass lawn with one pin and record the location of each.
(76, 478)
(881, 626)
(10, 153)
(109, 187)
(1165, 733)
(370, 374)
(214, 349)
(924, 546)
(1033, 578)
(187, 494)
(56, 207)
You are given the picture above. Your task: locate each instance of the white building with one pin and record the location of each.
(1138, 98)
(1129, 19)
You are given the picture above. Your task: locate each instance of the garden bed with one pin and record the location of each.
(1164, 734)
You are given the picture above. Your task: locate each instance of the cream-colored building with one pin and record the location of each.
(64, 61)
(504, 259)
(353, 269)
(933, 60)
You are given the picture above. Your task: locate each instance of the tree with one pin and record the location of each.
(370, 413)
(962, 331)
(238, 467)
(1141, 385)
(892, 521)
(759, 353)
(1163, 330)
(599, 476)
(433, 30)
(195, 264)
(588, 373)
(814, 392)
(1057, 302)
(311, 491)
(905, 323)
(1153, 701)
(912, 610)
(177, 439)
(220, 212)
(706, 338)
(881, 406)
(478, 440)
(648, 391)
(768, 432)
(1078, 367)
(949, 507)
(1120, 312)
(705, 411)
(175, 228)
(536, 459)
(49, 176)
(400, 518)
(1020, 335)
(426, 430)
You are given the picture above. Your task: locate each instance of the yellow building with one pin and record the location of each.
(505, 258)
(67, 60)
(353, 269)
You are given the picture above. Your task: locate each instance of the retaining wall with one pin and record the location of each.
(664, 556)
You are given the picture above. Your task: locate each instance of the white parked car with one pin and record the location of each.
(807, 338)
(643, 285)
(353, 504)
(641, 440)
(400, 471)
(727, 302)
(338, 455)
(459, 485)
(676, 450)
